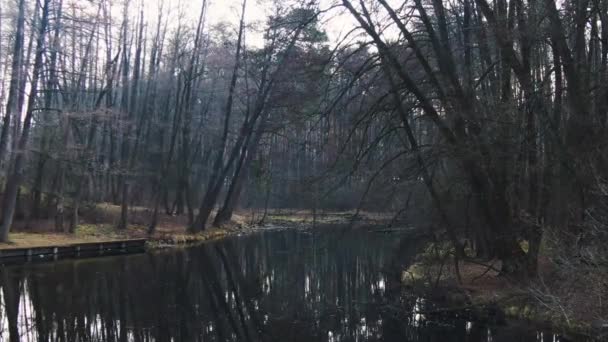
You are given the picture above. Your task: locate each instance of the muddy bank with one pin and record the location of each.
(476, 288)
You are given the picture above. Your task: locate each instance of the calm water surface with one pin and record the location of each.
(275, 286)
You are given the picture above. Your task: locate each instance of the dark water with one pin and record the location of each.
(275, 286)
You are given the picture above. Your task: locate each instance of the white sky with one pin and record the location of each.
(335, 22)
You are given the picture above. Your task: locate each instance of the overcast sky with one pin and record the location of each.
(335, 22)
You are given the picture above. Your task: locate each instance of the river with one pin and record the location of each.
(321, 285)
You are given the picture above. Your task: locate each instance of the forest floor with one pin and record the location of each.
(98, 224)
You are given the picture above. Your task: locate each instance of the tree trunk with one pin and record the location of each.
(248, 153)
(18, 172)
(218, 174)
(16, 68)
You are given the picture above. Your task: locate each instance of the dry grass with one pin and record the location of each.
(29, 240)
(98, 225)
(104, 233)
(292, 216)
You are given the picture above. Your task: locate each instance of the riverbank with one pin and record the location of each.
(104, 232)
(477, 287)
(98, 225)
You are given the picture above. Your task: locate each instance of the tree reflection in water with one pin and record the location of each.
(276, 286)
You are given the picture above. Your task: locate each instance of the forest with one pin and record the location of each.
(483, 121)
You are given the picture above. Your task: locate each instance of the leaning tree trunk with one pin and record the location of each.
(219, 173)
(248, 152)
